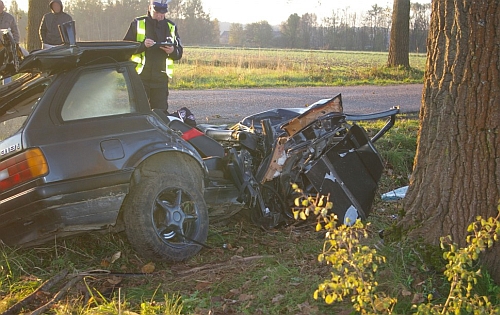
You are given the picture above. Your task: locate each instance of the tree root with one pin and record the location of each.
(14, 309)
(62, 293)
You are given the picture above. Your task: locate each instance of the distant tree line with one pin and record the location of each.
(343, 30)
(98, 20)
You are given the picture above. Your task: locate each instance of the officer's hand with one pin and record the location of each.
(168, 49)
(149, 42)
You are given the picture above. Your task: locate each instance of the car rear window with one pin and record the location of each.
(18, 105)
(10, 127)
(98, 93)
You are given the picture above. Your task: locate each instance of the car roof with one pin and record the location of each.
(64, 57)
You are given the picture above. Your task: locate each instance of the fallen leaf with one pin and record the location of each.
(116, 256)
(405, 292)
(105, 263)
(218, 251)
(217, 299)
(245, 285)
(30, 278)
(305, 308)
(114, 280)
(148, 268)
(277, 298)
(245, 297)
(240, 250)
(202, 285)
(235, 291)
(418, 298)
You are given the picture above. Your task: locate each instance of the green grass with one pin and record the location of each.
(207, 68)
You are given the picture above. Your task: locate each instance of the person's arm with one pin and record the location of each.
(178, 49)
(14, 30)
(43, 30)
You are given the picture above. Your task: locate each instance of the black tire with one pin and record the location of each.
(165, 215)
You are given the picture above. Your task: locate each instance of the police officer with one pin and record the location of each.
(160, 46)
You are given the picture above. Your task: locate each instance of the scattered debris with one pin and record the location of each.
(396, 194)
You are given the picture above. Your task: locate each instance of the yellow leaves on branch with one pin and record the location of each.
(305, 205)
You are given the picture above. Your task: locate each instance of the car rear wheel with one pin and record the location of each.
(165, 215)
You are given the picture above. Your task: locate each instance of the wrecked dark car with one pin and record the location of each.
(80, 150)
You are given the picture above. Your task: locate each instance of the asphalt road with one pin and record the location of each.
(231, 105)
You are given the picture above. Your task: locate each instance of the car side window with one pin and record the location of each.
(98, 93)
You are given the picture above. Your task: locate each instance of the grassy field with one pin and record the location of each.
(206, 68)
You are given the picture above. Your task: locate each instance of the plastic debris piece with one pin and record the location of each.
(396, 194)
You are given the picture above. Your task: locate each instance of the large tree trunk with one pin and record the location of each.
(37, 8)
(399, 46)
(457, 166)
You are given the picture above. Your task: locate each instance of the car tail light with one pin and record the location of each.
(22, 168)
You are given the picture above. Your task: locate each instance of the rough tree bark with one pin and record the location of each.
(36, 10)
(399, 45)
(456, 174)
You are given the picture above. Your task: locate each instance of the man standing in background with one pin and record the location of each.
(160, 46)
(7, 21)
(49, 27)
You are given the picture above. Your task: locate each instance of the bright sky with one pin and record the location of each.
(273, 11)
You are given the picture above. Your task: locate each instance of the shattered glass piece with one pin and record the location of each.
(351, 216)
(344, 154)
(331, 177)
(396, 194)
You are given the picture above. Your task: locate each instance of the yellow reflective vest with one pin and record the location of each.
(140, 59)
